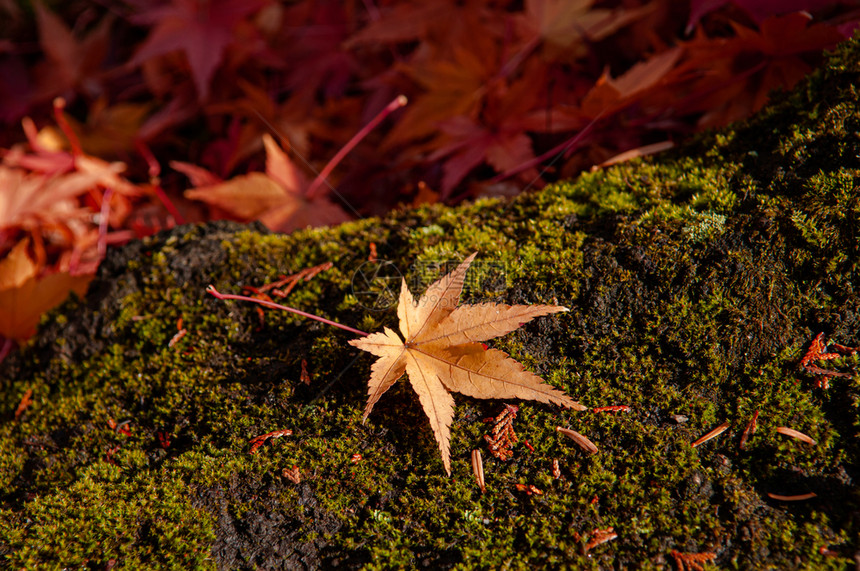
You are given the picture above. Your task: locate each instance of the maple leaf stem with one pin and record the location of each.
(558, 150)
(168, 204)
(59, 106)
(396, 103)
(155, 170)
(211, 289)
(103, 222)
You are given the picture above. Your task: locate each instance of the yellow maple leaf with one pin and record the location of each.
(442, 353)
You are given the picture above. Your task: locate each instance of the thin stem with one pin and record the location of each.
(396, 103)
(74, 143)
(103, 222)
(211, 289)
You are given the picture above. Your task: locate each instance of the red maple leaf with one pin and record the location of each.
(71, 65)
(202, 30)
(278, 198)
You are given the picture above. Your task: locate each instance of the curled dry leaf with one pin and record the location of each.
(749, 430)
(580, 439)
(795, 434)
(711, 434)
(258, 441)
(797, 498)
(600, 536)
(478, 468)
(443, 354)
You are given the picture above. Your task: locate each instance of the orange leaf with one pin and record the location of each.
(24, 298)
(442, 354)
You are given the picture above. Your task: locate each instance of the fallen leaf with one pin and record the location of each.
(202, 30)
(71, 64)
(442, 353)
(24, 297)
(277, 198)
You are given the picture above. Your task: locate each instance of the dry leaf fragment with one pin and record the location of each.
(503, 437)
(258, 441)
(692, 561)
(26, 401)
(305, 376)
(293, 474)
(818, 352)
(797, 498)
(443, 354)
(580, 439)
(711, 434)
(600, 536)
(795, 434)
(478, 468)
(529, 489)
(749, 430)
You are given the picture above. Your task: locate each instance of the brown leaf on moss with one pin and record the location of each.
(443, 354)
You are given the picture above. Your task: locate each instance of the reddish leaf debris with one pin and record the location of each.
(614, 408)
(749, 430)
(598, 537)
(293, 474)
(26, 400)
(691, 561)
(529, 489)
(179, 335)
(818, 352)
(305, 376)
(277, 287)
(503, 436)
(556, 469)
(163, 439)
(120, 428)
(258, 441)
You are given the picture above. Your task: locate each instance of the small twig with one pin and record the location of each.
(211, 289)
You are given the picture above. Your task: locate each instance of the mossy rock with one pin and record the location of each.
(696, 282)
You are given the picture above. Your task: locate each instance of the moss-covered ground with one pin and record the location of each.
(696, 282)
